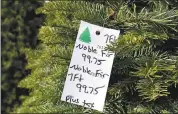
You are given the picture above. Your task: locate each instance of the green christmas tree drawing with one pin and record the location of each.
(85, 36)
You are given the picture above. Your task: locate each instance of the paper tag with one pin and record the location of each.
(90, 67)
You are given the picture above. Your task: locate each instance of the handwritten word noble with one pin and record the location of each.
(98, 73)
(87, 48)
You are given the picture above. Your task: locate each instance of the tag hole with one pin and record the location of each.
(97, 32)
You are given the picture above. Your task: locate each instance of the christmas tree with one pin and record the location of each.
(85, 36)
(145, 71)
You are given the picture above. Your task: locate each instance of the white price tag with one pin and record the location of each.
(90, 67)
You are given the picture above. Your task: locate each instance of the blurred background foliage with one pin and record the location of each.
(19, 29)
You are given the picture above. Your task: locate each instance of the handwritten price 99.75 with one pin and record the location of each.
(88, 89)
(92, 59)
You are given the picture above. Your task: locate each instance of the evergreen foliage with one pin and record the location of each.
(144, 76)
(19, 30)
